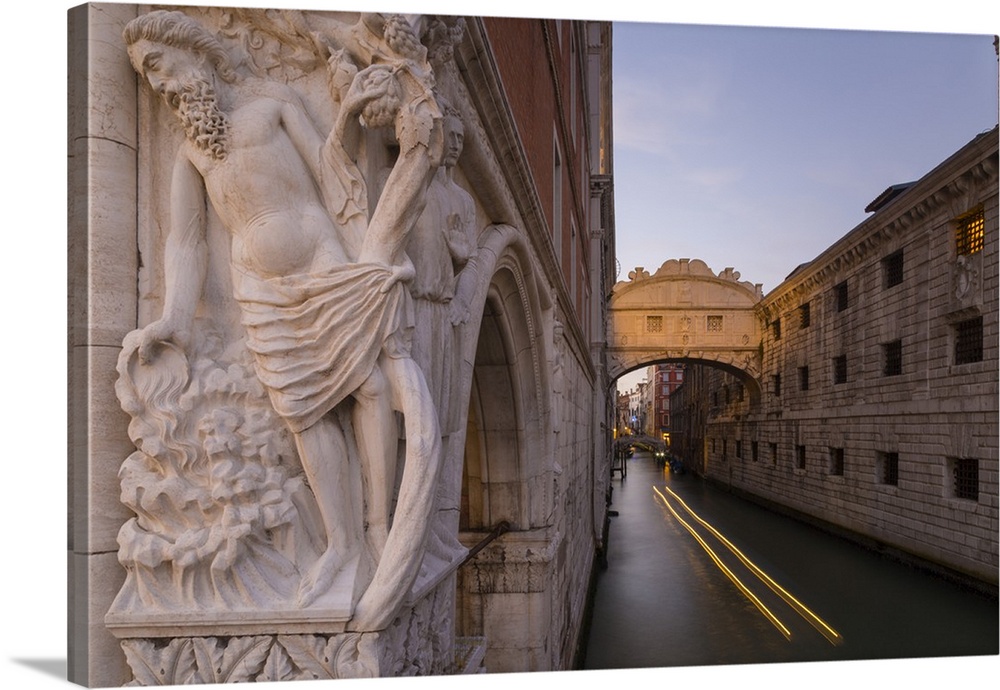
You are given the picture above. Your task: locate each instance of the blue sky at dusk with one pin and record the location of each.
(757, 148)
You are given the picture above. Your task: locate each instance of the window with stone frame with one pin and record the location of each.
(776, 329)
(805, 318)
(841, 296)
(970, 232)
(754, 451)
(965, 478)
(776, 384)
(887, 468)
(840, 369)
(739, 449)
(969, 341)
(800, 457)
(774, 453)
(804, 378)
(892, 269)
(837, 461)
(714, 324)
(654, 324)
(892, 358)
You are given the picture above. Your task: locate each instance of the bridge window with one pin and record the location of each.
(804, 378)
(804, 316)
(892, 269)
(969, 232)
(776, 329)
(892, 358)
(840, 369)
(887, 468)
(800, 457)
(837, 462)
(969, 341)
(965, 474)
(840, 296)
(654, 324)
(714, 324)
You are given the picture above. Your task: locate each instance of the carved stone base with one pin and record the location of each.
(420, 641)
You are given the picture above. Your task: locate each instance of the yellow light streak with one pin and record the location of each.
(824, 629)
(729, 573)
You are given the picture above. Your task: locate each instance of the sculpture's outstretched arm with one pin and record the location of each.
(185, 261)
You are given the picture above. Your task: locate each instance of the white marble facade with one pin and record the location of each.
(297, 276)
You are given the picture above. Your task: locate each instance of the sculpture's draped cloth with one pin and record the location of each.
(315, 337)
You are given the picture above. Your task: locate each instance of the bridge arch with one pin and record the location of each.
(686, 313)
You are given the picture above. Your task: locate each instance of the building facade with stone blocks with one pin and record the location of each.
(877, 409)
(467, 418)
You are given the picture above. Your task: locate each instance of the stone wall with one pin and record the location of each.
(827, 451)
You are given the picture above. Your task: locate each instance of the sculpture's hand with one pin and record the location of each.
(161, 331)
(459, 312)
(402, 273)
(368, 85)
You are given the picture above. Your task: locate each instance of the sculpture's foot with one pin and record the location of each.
(320, 577)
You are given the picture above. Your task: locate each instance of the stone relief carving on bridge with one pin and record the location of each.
(269, 475)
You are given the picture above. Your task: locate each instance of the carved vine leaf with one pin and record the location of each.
(309, 653)
(172, 664)
(278, 666)
(358, 656)
(236, 660)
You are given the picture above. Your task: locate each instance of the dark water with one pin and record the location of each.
(664, 602)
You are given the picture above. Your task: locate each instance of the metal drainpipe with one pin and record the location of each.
(502, 528)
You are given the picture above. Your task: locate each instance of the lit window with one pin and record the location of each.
(969, 341)
(969, 232)
(804, 316)
(892, 358)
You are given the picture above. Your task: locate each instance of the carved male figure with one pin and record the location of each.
(323, 324)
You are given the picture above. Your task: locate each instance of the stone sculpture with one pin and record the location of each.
(226, 518)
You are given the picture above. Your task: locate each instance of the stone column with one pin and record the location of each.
(103, 262)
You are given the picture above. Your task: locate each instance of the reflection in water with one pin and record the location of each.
(663, 602)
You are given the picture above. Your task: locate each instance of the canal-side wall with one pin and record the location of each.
(879, 406)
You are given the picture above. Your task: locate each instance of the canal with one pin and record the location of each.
(675, 594)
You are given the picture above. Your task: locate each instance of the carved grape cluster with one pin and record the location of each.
(382, 111)
(401, 38)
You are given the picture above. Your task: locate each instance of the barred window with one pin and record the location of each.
(892, 269)
(837, 461)
(714, 324)
(841, 296)
(965, 473)
(800, 457)
(654, 324)
(804, 378)
(887, 468)
(970, 232)
(969, 341)
(776, 380)
(892, 358)
(804, 316)
(776, 328)
(840, 369)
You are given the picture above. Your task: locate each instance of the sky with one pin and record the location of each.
(33, 643)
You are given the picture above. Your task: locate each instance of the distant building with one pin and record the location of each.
(665, 378)
(878, 409)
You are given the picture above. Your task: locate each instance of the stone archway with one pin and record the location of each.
(685, 313)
